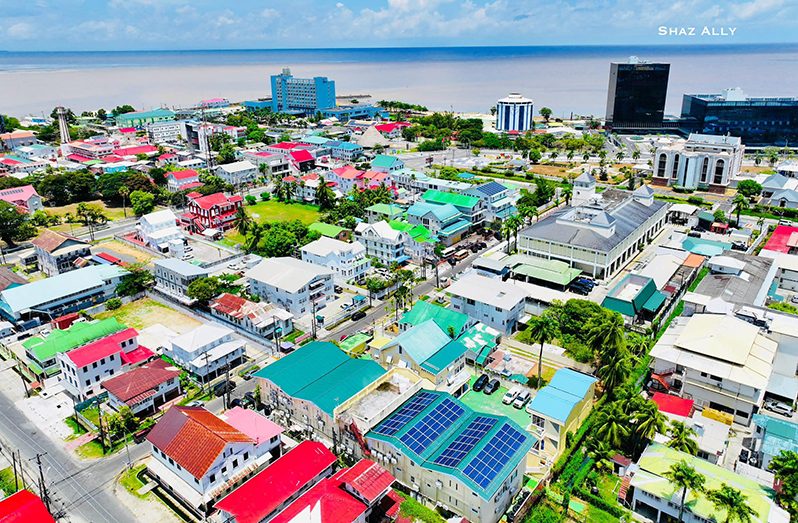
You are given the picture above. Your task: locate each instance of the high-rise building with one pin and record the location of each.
(514, 113)
(301, 95)
(636, 95)
(758, 121)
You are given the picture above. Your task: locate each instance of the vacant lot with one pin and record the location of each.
(145, 312)
(274, 211)
(116, 247)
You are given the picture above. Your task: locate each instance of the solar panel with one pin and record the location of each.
(494, 456)
(406, 412)
(465, 442)
(419, 437)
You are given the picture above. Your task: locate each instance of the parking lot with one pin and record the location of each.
(492, 404)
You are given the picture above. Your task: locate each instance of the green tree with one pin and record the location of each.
(137, 280)
(749, 188)
(785, 468)
(682, 438)
(142, 202)
(545, 112)
(124, 192)
(614, 370)
(648, 422)
(534, 155)
(741, 203)
(243, 221)
(122, 109)
(638, 344)
(733, 502)
(227, 154)
(719, 216)
(204, 289)
(542, 329)
(606, 334)
(636, 154)
(325, 196)
(601, 453)
(277, 242)
(14, 225)
(612, 425)
(685, 478)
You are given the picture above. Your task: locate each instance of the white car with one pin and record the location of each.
(522, 399)
(510, 395)
(779, 408)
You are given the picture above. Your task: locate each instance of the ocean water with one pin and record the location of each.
(568, 79)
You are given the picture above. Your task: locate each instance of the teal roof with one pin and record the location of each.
(458, 226)
(654, 302)
(450, 353)
(421, 341)
(458, 200)
(443, 213)
(480, 337)
(17, 300)
(778, 434)
(322, 374)
(315, 140)
(385, 161)
(704, 247)
(142, 115)
(622, 297)
(451, 442)
(443, 317)
(348, 146)
(559, 398)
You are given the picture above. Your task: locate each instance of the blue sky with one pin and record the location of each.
(215, 24)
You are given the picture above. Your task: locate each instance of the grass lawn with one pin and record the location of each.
(7, 481)
(112, 213)
(596, 515)
(92, 414)
(492, 404)
(274, 211)
(296, 333)
(416, 511)
(77, 428)
(608, 485)
(145, 312)
(125, 249)
(130, 480)
(90, 450)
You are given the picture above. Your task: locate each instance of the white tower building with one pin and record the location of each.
(514, 113)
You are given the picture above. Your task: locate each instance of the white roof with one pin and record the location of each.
(165, 216)
(727, 261)
(326, 246)
(201, 336)
(494, 292)
(380, 229)
(684, 208)
(217, 353)
(515, 98)
(663, 266)
(720, 345)
(243, 165)
(288, 274)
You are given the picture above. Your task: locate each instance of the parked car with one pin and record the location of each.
(358, 315)
(480, 383)
(250, 397)
(236, 402)
(225, 386)
(522, 399)
(587, 282)
(579, 289)
(491, 387)
(794, 299)
(194, 404)
(745, 454)
(510, 395)
(248, 375)
(338, 289)
(779, 408)
(343, 337)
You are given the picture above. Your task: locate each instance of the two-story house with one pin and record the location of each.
(261, 319)
(443, 221)
(57, 252)
(497, 199)
(144, 389)
(383, 242)
(158, 228)
(199, 458)
(493, 302)
(182, 180)
(472, 207)
(207, 351)
(294, 285)
(173, 276)
(214, 211)
(348, 260)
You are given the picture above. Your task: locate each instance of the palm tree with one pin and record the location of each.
(649, 422)
(638, 344)
(734, 502)
(324, 195)
(586, 156)
(606, 335)
(527, 212)
(123, 192)
(553, 155)
(601, 453)
(542, 329)
(242, 221)
(741, 202)
(682, 438)
(611, 425)
(566, 192)
(515, 223)
(570, 155)
(636, 154)
(614, 370)
(684, 477)
(785, 468)
(256, 232)
(618, 156)
(507, 231)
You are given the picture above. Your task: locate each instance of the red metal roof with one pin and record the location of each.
(127, 130)
(24, 507)
(18, 195)
(137, 355)
(368, 479)
(183, 175)
(107, 257)
(102, 348)
(673, 404)
(133, 383)
(332, 502)
(347, 172)
(136, 149)
(301, 156)
(284, 145)
(78, 158)
(265, 492)
(212, 200)
(778, 240)
(191, 185)
(194, 438)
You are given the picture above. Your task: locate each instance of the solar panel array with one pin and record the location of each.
(405, 413)
(494, 456)
(491, 188)
(443, 416)
(465, 442)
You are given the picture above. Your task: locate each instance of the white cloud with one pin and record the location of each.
(20, 30)
(755, 7)
(269, 13)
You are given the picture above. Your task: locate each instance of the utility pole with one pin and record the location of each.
(313, 318)
(205, 377)
(226, 383)
(14, 464)
(102, 431)
(25, 385)
(42, 484)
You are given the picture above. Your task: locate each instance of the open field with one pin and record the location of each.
(145, 312)
(274, 211)
(112, 213)
(125, 249)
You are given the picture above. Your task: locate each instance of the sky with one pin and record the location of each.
(70, 25)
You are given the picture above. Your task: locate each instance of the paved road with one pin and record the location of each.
(81, 489)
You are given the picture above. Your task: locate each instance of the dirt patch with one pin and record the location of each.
(126, 250)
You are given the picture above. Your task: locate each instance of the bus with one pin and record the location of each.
(448, 252)
(460, 255)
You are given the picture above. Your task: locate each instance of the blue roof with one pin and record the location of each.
(778, 434)
(421, 341)
(440, 433)
(491, 188)
(558, 399)
(458, 226)
(31, 295)
(384, 160)
(348, 146)
(443, 212)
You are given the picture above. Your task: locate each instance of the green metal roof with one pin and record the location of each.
(450, 353)
(654, 302)
(552, 271)
(322, 374)
(657, 460)
(352, 342)
(142, 115)
(481, 339)
(447, 437)
(326, 229)
(75, 336)
(419, 233)
(622, 299)
(458, 200)
(421, 341)
(443, 317)
(442, 212)
(385, 161)
(388, 209)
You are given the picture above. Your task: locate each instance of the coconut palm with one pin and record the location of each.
(123, 192)
(741, 203)
(685, 478)
(606, 334)
(516, 222)
(325, 196)
(682, 438)
(570, 155)
(733, 502)
(638, 344)
(542, 329)
(618, 156)
(256, 232)
(614, 370)
(586, 156)
(612, 425)
(601, 453)
(566, 192)
(649, 422)
(785, 468)
(636, 154)
(242, 221)
(527, 212)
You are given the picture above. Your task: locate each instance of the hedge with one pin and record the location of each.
(598, 501)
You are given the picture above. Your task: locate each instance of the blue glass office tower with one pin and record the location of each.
(636, 95)
(758, 121)
(305, 96)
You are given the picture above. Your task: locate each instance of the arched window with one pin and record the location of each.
(719, 172)
(675, 170)
(661, 166)
(704, 170)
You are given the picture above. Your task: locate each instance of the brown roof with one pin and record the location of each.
(693, 260)
(136, 382)
(9, 277)
(50, 240)
(194, 438)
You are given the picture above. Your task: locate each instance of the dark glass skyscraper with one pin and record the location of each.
(758, 121)
(636, 95)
